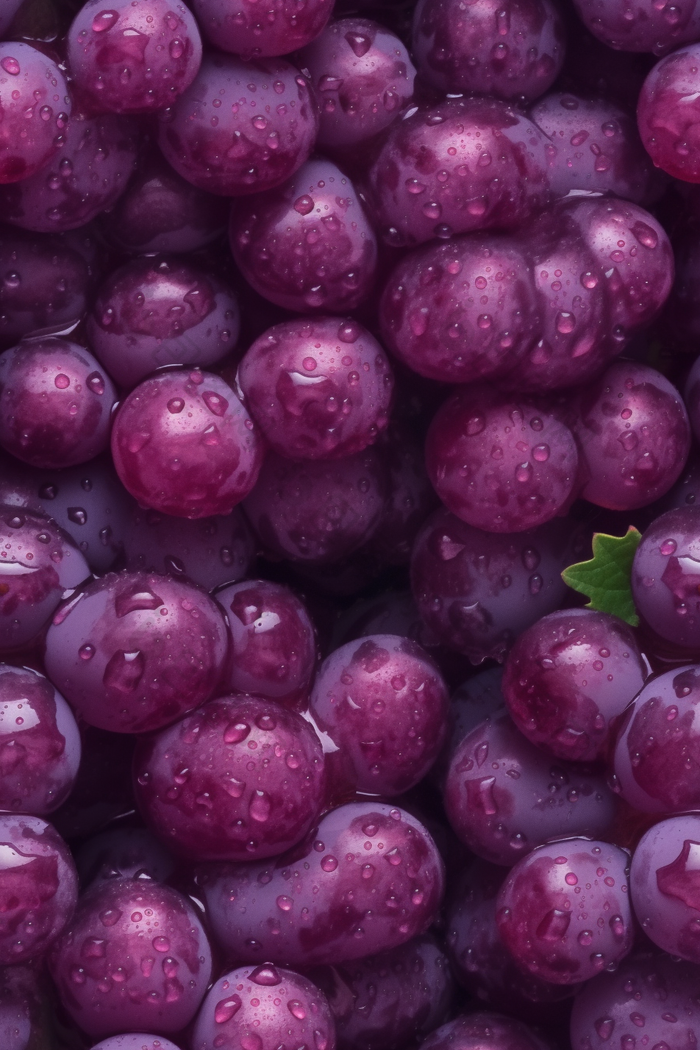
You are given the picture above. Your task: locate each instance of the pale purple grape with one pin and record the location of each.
(31, 87)
(23, 1022)
(564, 911)
(272, 123)
(38, 885)
(513, 49)
(161, 310)
(334, 899)
(135, 1041)
(134, 57)
(484, 1031)
(183, 444)
(39, 743)
(132, 652)
(264, 1006)
(134, 956)
(278, 27)
(638, 25)
(307, 244)
(666, 575)
(123, 853)
(363, 76)
(55, 403)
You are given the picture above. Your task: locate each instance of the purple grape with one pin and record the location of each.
(633, 436)
(273, 650)
(308, 244)
(136, 57)
(317, 388)
(568, 677)
(503, 796)
(484, 1031)
(665, 577)
(192, 464)
(40, 751)
(23, 1022)
(273, 126)
(263, 1007)
(649, 991)
(638, 25)
(316, 512)
(31, 86)
(159, 311)
(123, 853)
(38, 885)
(478, 590)
(383, 704)
(134, 956)
(514, 50)
(132, 651)
(86, 176)
(363, 76)
(241, 779)
(487, 169)
(135, 1041)
(388, 1001)
(436, 322)
(540, 897)
(253, 32)
(38, 564)
(333, 899)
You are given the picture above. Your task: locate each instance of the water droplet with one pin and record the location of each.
(215, 402)
(329, 863)
(10, 65)
(260, 806)
(227, 1008)
(304, 204)
(235, 732)
(61, 382)
(266, 975)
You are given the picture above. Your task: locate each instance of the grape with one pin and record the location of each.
(333, 899)
(499, 462)
(633, 436)
(388, 1001)
(436, 322)
(160, 311)
(308, 244)
(484, 1031)
(55, 403)
(267, 149)
(135, 57)
(266, 1007)
(241, 779)
(254, 32)
(135, 1041)
(540, 898)
(38, 885)
(383, 704)
(686, 491)
(22, 1025)
(133, 651)
(514, 50)
(38, 564)
(567, 679)
(191, 464)
(637, 25)
(503, 796)
(31, 85)
(363, 76)
(665, 577)
(316, 512)
(40, 751)
(134, 956)
(494, 159)
(273, 651)
(478, 590)
(123, 853)
(317, 388)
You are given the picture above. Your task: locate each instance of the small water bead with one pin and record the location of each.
(104, 21)
(329, 863)
(10, 65)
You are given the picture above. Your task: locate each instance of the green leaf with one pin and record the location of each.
(605, 579)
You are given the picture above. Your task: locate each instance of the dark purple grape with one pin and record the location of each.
(135, 57)
(686, 491)
(307, 244)
(368, 879)
(192, 464)
(478, 590)
(254, 31)
(31, 87)
(503, 796)
(40, 751)
(363, 76)
(96, 800)
(638, 25)
(55, 403)
(272, 126)
(484, 1031)
(273, 642)
(135, 1041)
(463, 310)
(159, 311)
(388, 1001)
(512, 49)
(574, 879)
(263, 1007)
(134, 956)
(123, 853)
(132, 651)
(568, 677)
(7, 13)
(666, 575)
(38, 564)
(38, 887)
(681, 316)
(241, 779)
(464, 164)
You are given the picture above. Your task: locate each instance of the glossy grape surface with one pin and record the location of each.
(638, 25)
(483, 1031)
(667, 114)
(30, 83)
(665, 576)
(278, 27)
